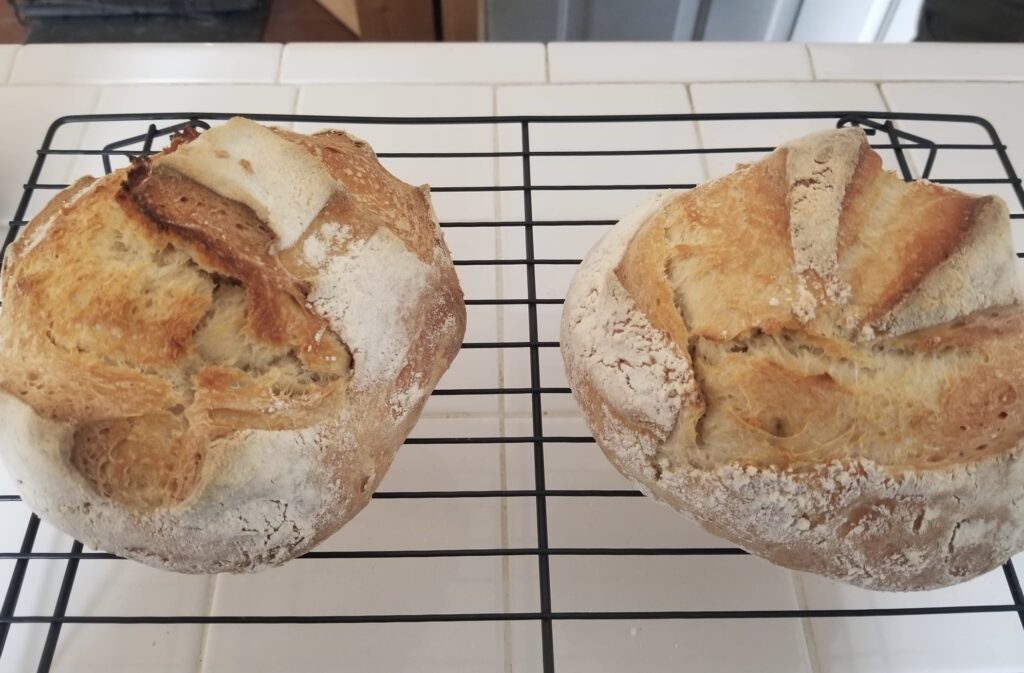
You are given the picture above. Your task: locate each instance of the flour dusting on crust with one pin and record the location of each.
(818, 169)
(364, 295)
(633, 365)
(238, 511)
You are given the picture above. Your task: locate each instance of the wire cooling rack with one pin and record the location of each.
(896, 135)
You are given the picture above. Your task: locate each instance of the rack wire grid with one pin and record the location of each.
(911, 143)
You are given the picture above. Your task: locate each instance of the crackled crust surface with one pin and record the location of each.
(817, 361)
(208, 360)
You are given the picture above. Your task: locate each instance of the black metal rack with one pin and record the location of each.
(891, 132)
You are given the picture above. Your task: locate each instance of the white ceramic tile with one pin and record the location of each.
(25, 114)
(567, 465)
(238, 98)
(552, 371)
(145, 63)
(996, 102)
(435, 101)
(481, 324)
(383, 648)
(396, 524)
(101, 587)
(111, 587)
(651, 583)
(676, 61)
(969, 642)
(151, 98)
(577, 521)
(7, 486)
(25, 642)
(523, 647)
(412, 100)
(39, 590)
(465, 584)
(667, 646)
(589, 170)
(657, 583)
(434, 467)
(386, 585)
(659, 646)
(918, 61)
(7, 53)
(13, 521)
(473, 368)
(434, 523)
(51, 539)
(772, 97)
(637, 583)
(354, 586)
(108, 648)
(424, 63)
(471, 243)
(572, 241)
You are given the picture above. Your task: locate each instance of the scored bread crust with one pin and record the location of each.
(147, 413)
(815, 361)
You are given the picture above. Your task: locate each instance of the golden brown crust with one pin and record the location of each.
(171, 365)
(843, 394)
(707, 250)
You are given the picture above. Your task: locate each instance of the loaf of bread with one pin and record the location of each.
(816, 361)
(208, 360)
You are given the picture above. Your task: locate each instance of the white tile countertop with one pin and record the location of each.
(41, 83)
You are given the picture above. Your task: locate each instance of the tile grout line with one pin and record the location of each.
(14, 64)
(10, 70)
(499, 316)
(280, 66)
(810, 62)
(211, 589)
(810, 644)
(697, 131)
(295, 100)
(881, 94)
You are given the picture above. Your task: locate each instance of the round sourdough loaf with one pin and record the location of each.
(208, 360)
(818, 362)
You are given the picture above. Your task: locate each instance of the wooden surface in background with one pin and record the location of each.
(11, 32)
(303, 21)
(409, 20)
(386, 20)
(463, 20)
